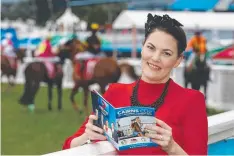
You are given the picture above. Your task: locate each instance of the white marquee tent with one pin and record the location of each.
(68, 19)
(191, 20)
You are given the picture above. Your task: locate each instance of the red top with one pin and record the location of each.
(184, 110)
(47, 50)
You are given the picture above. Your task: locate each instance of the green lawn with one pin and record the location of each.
(42, 132)
(38, 133)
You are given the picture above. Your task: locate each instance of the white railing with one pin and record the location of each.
(221, 126)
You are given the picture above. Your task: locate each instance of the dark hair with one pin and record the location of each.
(168, 25)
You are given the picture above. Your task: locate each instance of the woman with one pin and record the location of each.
(180, 113)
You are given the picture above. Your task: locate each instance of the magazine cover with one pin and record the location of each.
(125, 126)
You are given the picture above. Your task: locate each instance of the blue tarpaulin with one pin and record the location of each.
(14, 38)
(29, 41)
(201, 5)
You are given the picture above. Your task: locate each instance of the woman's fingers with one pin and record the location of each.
(157, 137)
(162, 124)
(94, 132)
(94, 136)
(93, 127)
(161, 134)
(92, 117)
(157, 129)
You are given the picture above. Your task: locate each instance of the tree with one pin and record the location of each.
(102, 14)
(22, 9)
(58, 6)
(43, 11)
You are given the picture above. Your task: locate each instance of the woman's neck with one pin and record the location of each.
(159, 81)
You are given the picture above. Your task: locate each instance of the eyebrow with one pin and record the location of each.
(163, 49)
(151, 44)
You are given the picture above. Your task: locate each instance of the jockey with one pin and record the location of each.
(93, 46)
(93, 50)
(94, 43)
(44, 54)
(198, 45)
(44, 51)
(9, 50)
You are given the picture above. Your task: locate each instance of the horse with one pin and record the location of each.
(197, 74)
(136, 129)
(106, 70)
(9, 69)
(37, 72)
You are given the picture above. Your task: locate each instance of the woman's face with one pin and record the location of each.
(159, 57)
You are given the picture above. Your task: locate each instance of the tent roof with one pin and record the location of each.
(68, 17)
(191, 20)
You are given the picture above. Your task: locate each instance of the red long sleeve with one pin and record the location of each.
(80, 131)
(195, 126)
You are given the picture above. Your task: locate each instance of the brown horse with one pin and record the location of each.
(37, 72)
(106, 71)
(8, 69)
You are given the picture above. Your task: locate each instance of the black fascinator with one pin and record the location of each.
(164, 21)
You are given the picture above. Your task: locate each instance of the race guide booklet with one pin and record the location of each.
(124, 126)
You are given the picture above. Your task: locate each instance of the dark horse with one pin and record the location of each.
(7, 68)
(35, 73)
(107, 70)
(197, 74)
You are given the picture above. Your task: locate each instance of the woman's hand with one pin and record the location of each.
(93, 132)
(162, 135)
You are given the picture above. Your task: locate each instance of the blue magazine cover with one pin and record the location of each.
(124, 126)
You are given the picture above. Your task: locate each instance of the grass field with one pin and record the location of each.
(43, 132)
(39, 133)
